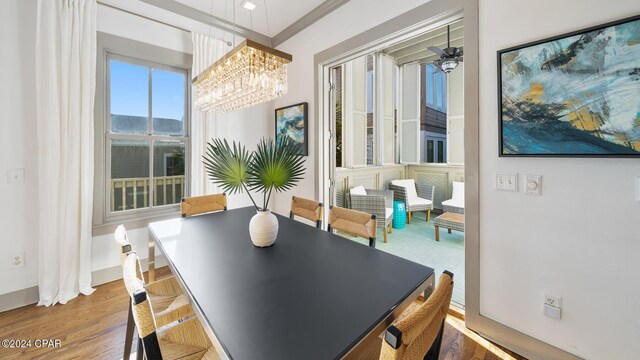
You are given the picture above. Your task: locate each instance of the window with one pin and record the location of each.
(146, 137)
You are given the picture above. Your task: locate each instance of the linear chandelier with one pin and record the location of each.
(249, 74)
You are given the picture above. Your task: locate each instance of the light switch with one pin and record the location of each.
(638, 188)
(15, 176)
(532, 184)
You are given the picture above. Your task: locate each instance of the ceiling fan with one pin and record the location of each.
(450, 57)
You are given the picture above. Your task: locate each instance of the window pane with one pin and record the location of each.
(168, 172)
(129, 174)
(440, 152)
(129, 98)
(168, 102)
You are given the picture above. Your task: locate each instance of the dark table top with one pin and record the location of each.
(312, 295)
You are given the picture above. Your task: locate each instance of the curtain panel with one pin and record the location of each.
(206, 50)
(65, 82)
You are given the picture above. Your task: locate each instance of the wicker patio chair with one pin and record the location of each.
(456, 203)
(377, 202)
(417, 333)
(307, 209)
(169, 302)
(416, 197)
(180, 340)
(353, 222)
(197, 205)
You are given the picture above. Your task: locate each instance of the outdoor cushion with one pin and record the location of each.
(458, 191)
(358, 190)
(408, 184)
(418, 201)
(388, 212)
(454, 203)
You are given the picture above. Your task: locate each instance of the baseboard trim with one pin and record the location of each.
(30, 296)
(20, 298)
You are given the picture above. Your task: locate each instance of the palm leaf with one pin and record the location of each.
(227, 166)
(276, 165)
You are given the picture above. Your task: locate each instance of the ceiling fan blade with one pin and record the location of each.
(460, 51)
(436, 50)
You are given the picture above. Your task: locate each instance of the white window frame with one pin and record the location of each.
(112, 47)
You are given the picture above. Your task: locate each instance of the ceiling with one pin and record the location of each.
(415, 49)
(282, 13)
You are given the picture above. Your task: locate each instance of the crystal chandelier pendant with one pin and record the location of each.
(250, 74)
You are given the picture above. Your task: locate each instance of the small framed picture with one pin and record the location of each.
(291, 121)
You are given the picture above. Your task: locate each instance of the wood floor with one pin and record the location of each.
(92, 327)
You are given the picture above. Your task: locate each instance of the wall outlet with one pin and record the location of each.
(15, 176)
(506, 182)
(552, 300)
(17, 260)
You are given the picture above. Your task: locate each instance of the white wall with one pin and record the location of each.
(581, 238)
(18, 142)
(348, 20)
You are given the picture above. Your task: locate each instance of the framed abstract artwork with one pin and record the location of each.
(291, 121)
(573, 95)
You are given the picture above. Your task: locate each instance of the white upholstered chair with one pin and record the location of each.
(456, 203)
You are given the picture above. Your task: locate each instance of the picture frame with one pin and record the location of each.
(572, 95)
(293, 121)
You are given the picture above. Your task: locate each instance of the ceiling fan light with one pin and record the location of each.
(448, 65)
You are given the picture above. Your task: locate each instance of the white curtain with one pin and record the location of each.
(206, 50)
(65, 81)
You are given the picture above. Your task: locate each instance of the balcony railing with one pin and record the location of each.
(133, 193)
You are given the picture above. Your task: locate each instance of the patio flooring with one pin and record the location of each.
(416, 242)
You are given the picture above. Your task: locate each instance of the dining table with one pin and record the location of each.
(311, 295)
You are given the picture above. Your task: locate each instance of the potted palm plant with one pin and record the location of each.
(274, 165)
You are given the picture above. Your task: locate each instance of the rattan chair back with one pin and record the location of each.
(353, 222)
(197, 205)
(307, 209)
(412, 337)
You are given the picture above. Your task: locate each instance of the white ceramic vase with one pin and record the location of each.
(263, 228)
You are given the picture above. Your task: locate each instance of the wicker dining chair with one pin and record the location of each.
(377, 202)
(417, 334)
(353, 222)
(197, 205)
(180, 340)
(416, 197)
(307, 209)
(169, 302)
